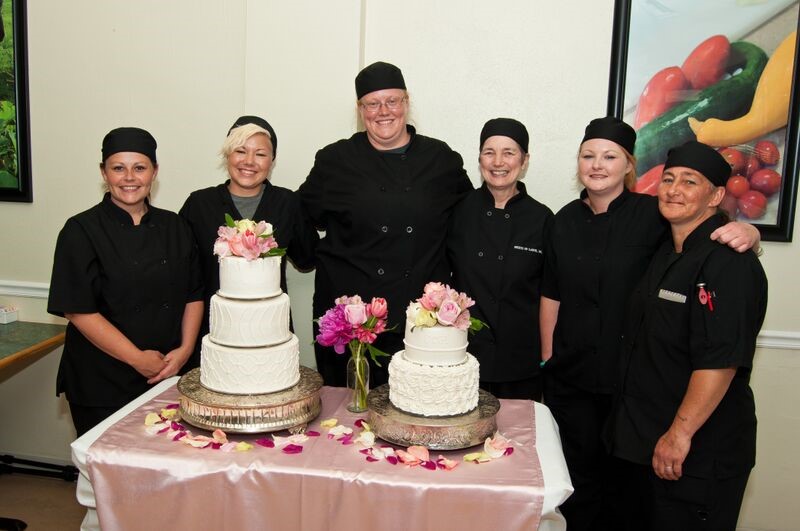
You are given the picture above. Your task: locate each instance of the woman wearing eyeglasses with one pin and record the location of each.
(384, 198)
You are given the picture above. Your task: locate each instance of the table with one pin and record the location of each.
(22, 340)
(329, 486)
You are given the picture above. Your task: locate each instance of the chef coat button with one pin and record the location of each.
(380, 270)
(508, 215)
(580, 258)
(383, 188)
(596, 258)
(137, 309)
(165, 306)
(480, 253)
(489, 213)
(384, 229)
(499, 256)
(403, 156)
(407, 273)
(152, 225)
(409, 229)
(408, 188)
(163, 261)
(136, 262)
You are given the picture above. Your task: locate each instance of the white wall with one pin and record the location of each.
(185, 70)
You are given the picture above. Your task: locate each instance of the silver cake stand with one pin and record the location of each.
(283, 410)
(436, 433)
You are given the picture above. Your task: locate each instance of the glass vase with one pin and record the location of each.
(358, 383)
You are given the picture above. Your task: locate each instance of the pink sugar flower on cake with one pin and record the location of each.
(247, 239)
(441, 304)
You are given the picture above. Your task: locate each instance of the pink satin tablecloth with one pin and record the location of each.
(147, 482)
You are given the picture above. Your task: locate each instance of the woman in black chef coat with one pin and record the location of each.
(384, 198)
(598, 249)
(248, 155)
(126, 276)
(495, 247)
(685, 414)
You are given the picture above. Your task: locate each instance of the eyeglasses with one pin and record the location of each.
(391, 104)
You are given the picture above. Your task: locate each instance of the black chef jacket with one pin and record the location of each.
(139, 277)
(592, 264)
(205, 211)
(497, 257)
(670, 334)
(385, 217)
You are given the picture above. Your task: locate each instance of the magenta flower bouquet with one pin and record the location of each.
(246, 238)
(355, 324)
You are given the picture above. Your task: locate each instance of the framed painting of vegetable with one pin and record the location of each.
(721, 72)
(15, 158)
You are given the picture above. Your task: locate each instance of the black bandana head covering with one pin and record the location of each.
(614, 129)
(378, 76)
(506, 127)
(124, 139)
(262, 123)
(702, 158)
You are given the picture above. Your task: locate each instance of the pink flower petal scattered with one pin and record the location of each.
(509, 450)
(172, 406)
(340, 430)
(407, 458)
(219, 436)
(193, 441)
(392, 459)
(292, 449)
(372, 459)
(445, 463)
(430, 465)
(180, 435)
(347, 439)
(176, 426)
(359, 423)
(365, 451)
(216, 445)
(312, 433)
(420, 452)
(266, 443)
(164, 429)
(496, 446)
(228, 447)
(366, 438)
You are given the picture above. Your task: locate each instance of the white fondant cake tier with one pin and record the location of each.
(247, 323)
(435, 345)
(249, 370)
(240, 278)
(431, 390)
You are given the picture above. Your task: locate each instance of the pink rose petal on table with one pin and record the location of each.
(228, 447)
(292, 449)
(266, 443)
(407, 458)
(164, 429)
(172, 406)
(219, 436)
(176, 426)
(372, 459)
(216, 445)
(445, 463)
(509, 450)
(312, 433)
(180, 435)
(429, 465)
(392, 459)
(366, 451)
(420, 452)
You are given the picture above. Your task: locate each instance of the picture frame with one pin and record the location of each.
(674, 50)
(15, 158)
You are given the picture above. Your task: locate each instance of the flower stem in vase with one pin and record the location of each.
(358, 379)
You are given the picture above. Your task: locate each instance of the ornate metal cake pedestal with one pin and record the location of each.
(435, 433)
(282, 410)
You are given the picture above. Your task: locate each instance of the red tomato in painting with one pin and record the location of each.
(706, 64)
(767, 152)
(737, 186)
(752, 204)
(735, 158)
(766, 181)
(660, 94)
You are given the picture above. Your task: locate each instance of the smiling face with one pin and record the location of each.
(602, 166)
(686, 198)
(501, 162)
(385, 122)
(249, 165)
(129, 176)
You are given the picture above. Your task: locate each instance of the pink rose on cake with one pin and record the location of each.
(441, 304)
(247, 239)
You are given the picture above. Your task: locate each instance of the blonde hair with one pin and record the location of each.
(237, 138)
(630, 177)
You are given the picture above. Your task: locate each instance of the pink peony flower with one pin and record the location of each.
(364, 335)
(356, 314)
(378, 307)
(334, 329)
(448, 313)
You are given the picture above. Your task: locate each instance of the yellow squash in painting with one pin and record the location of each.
(769, 110)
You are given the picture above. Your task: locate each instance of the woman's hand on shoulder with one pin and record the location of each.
(738, 236)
